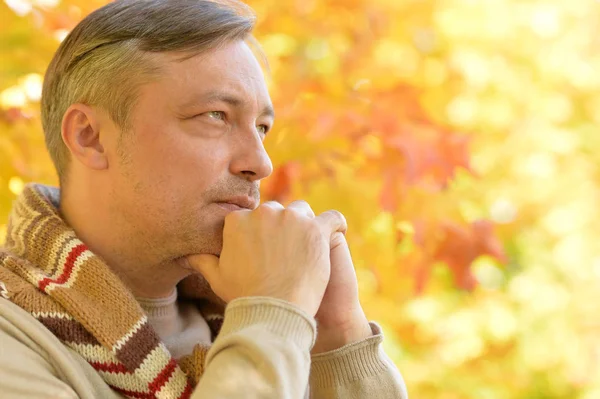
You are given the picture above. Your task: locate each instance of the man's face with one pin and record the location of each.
(196, 143)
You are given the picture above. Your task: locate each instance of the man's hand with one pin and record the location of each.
(275, 252)
(340, 317)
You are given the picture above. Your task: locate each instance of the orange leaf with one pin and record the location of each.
(461, 245)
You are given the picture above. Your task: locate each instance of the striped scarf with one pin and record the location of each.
(46, 270)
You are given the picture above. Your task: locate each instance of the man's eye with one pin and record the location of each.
(219, 115)
(263, 129)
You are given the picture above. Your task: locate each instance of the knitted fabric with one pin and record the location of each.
(46, 270)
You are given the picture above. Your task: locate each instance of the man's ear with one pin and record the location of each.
(81, 134)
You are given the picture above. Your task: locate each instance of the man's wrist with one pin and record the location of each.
(331, 337)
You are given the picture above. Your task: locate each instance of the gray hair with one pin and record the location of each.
(105, 59)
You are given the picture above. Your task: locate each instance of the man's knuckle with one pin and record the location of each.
(337, 215)
(265, 209)
(291, 213)
(303, 203)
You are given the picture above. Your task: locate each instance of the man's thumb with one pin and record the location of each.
(207, 265)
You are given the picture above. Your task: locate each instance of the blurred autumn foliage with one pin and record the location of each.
(460, 140)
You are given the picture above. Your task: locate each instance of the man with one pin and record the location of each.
(115, 286)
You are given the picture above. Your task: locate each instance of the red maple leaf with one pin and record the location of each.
(461, 245)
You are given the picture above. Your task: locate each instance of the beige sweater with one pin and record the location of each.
(263, 351)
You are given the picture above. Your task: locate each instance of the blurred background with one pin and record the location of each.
(459, 138)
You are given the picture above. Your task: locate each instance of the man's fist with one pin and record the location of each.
(275, 252)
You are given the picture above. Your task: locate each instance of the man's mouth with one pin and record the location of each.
(238, 203)
(229, 207)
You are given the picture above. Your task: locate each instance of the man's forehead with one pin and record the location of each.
(231, 61)
(228, 73)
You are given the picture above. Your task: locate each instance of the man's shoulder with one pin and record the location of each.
(13, 319)
(36, 364)
(20, 331)
(26, 335)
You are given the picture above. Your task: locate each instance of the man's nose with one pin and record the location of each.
(250, 159)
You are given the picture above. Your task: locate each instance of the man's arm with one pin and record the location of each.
(358, 370)
(262, 351)
(27, 369)
(25, 373)
(348, 360)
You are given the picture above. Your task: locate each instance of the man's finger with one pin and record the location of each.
(337, 239)
(207, 265)
(273, 205)
(332, 222)
(302, 208)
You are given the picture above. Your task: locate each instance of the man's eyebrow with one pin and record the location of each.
(231, 99)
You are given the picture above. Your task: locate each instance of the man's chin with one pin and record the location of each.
(187, 239)
(212, 248)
